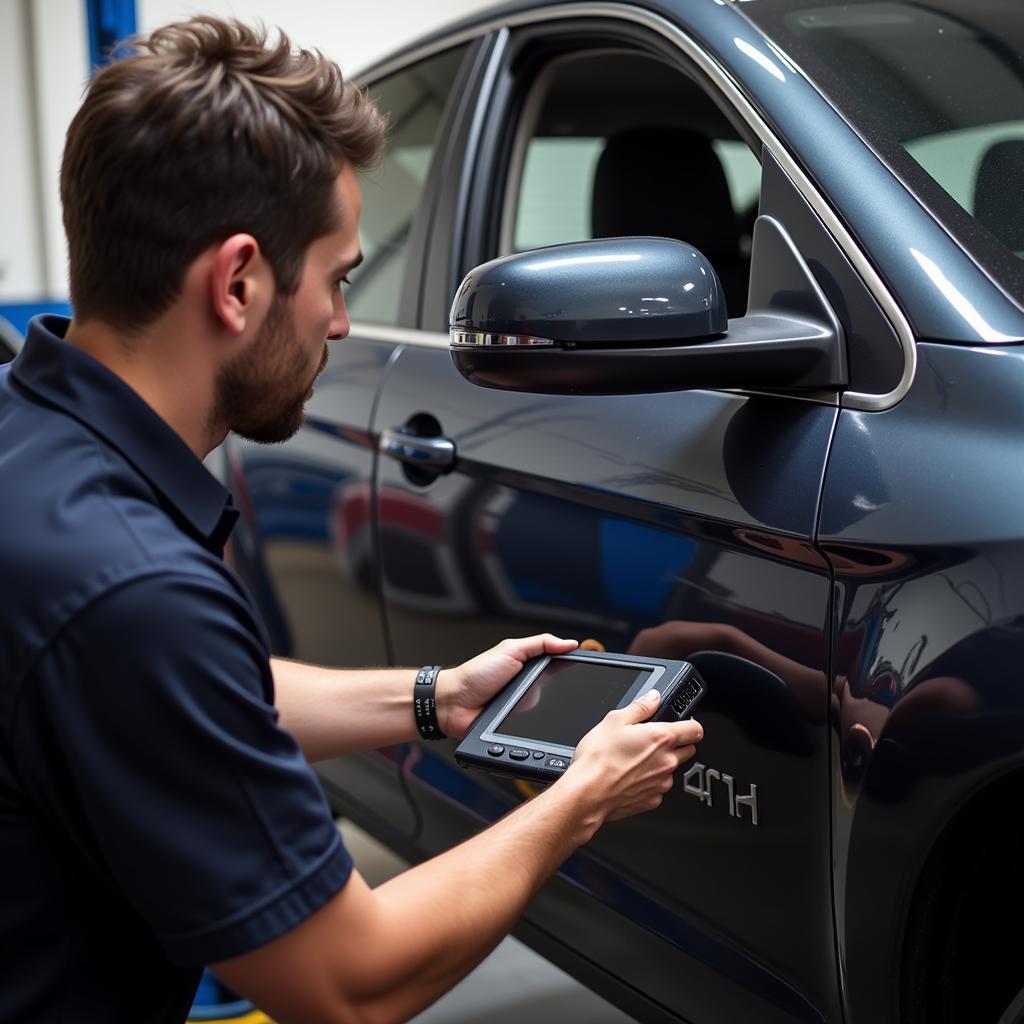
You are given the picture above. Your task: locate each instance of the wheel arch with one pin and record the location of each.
(960, 944)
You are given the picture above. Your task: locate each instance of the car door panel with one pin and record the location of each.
(677, 525)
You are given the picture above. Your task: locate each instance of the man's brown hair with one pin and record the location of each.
(207, 130)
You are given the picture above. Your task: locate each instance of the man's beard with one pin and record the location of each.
(262, 392)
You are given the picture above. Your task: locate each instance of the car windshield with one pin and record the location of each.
(937, 88)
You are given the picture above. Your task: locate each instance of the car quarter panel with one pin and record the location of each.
(921, 518)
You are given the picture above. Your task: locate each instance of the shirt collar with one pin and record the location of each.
(70, 379)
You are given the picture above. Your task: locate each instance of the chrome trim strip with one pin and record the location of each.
(399, 335)
(727, 85)
(463, 338)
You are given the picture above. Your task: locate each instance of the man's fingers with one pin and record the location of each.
(683, 754)
(643, 707)
(531, 646)
(690, 731)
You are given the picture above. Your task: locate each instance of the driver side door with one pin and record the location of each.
(677, 525)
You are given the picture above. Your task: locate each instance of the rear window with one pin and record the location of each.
(937, 88)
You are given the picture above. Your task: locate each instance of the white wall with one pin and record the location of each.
(352, 32)
(21, 268)
(61, 60)
(44, 57)
(44, 69)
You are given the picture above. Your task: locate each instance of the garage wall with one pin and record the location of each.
(44, 66)
(353, 33)
(43, 70)
(21, 268)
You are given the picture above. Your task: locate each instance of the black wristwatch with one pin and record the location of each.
(424, 703)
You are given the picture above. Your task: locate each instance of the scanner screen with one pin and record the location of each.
(567, 700)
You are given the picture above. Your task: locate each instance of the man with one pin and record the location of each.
(157, 812)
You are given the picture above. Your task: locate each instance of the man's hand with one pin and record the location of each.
(463, 691)
(331, 968)
(628, 763)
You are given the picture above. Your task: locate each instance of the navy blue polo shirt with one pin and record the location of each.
(154, 817)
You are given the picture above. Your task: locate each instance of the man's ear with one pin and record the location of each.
(241, 283)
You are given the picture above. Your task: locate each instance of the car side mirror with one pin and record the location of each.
(612, 291)
(634, 315)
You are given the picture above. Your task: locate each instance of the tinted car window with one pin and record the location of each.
(414, 100)
(554, 197)
(556, 192)
(938, 89)
(622, 144)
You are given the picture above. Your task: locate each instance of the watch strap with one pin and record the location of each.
(424, 702)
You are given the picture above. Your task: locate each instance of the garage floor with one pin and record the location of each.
(511, 986)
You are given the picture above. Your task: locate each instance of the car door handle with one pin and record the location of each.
(432, 453)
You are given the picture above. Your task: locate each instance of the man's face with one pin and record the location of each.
(262, 392)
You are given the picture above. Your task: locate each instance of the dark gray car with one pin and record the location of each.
(841, 554)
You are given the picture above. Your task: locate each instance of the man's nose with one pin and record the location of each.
(339, 326)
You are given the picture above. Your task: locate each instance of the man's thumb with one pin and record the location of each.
(644, 706)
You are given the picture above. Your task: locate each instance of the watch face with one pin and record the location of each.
(567, 700)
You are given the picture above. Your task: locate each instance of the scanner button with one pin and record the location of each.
(518, 754)
(539, 755)
(495, 750)
(557, 762)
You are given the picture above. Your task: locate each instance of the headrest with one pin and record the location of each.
(999, 192)
(668, 182)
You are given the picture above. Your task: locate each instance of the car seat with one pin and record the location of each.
(669, 182)
(998, 190)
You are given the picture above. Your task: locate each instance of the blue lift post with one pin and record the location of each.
(110, 22)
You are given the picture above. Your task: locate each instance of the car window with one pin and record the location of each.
(965, 162)
(554, 197)
(937, 87)
(414, 100)
(622, 144)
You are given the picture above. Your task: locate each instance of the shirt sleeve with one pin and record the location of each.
(149, 737)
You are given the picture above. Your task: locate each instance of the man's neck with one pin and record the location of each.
(163, 368)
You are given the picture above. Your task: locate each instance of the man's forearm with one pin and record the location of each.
(341, 711)
(335, 711)
(382, 955)
(444, 916)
